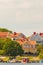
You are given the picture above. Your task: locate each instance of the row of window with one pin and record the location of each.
(26, 46)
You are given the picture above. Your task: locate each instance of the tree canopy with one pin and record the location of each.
(10, 47)
(40, 50)
(5, 30)
(1, 43)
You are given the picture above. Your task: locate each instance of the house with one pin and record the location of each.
(33, 46)
(38, 37)
(25, 46)
(18, 36)
(29, 46)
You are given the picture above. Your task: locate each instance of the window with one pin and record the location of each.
(32, 46)
(26, 46)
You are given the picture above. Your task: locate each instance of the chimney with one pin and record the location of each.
(34, 33)
(41, 33)
(15, 33)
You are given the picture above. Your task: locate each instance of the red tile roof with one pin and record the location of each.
(4, 34)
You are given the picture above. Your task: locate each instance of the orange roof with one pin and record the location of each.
(11, 35)
(4, 34)
(32, 42)
(20, 41)
(17, 34)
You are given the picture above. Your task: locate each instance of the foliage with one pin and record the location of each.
(41, 55)
(12, 48)
(2, 52)
(9, 47)
(39, 48)
(5, 30)
(1, 43)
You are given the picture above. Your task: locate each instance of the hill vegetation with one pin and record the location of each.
(5, 30)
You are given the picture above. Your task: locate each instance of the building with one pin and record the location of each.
(38, 37)
(29, 46)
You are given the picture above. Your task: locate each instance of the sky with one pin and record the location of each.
(24, 16)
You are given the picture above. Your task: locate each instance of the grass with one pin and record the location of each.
(4, 58)
(21, 57)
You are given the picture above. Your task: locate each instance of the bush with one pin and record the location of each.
(2, 52)
(41, 55)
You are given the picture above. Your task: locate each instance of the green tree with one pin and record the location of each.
(1, 43)
(39, 48)
(12, 48)
(41, 55)
(1, 46)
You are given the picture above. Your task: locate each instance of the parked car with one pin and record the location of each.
(25, 60)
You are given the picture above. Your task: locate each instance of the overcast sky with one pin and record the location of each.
(24, 16)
